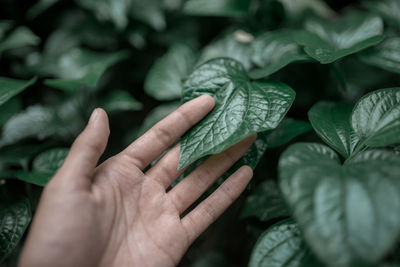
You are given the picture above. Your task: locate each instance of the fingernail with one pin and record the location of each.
(94, 116)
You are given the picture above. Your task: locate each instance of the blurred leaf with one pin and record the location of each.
(8, 109)
(19, 37)
(249, 107)
(281, 245)
(272, 51)
(149, 12)
(331, 121)
(386, 55)
(50, 161)
(14, 219)
(119, 100)
(233, 44)
(295, 8)
(34, 177)
(286, 131)
(389, 10)
(265, 203)
(11, 87)
(36, 121)
(21, 154)
(347, 214)
(329, 41)
(164, 81)
(376, 118)
(217, 8)
(40, 7)
(81, 68)
(5, 25)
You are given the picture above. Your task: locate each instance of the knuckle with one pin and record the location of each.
(164, 135)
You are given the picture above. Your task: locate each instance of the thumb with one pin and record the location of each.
(88, 147)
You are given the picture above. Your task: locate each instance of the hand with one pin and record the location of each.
(117, 215)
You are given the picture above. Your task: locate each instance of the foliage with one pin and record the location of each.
(318, 81)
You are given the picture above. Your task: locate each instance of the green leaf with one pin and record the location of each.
(265, 202)
(34, 177)
(296, 8)
(216, 8)
(331, 121)
(8, 109)
(11, 87)
(149, 12)
(389, 10)
(36, 121)
(286, 131)
(40, 7)
(164, 81)
(272, 51)
(50, 161)
(19, 37)
(242, 108)
(119, 100)
(330, 41)
(376, 118)
(5, 25)
(386, 55)
(233, 44)
(348, 214)
(21, 154)
(14, 219)
(80, 67)
(281, 245)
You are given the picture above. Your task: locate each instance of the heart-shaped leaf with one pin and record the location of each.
(281, 245)
(216, 8)
(11, 87)
(331, 121)
(348, 214)
(165, 78)
(376, 118)
(14, 219)
(386, 55)
(265, 202)
(330, 41)
(242, 108)
(274, 50)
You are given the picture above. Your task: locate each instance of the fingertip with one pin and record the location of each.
(99, 119)
(208, 100)
(246, 171)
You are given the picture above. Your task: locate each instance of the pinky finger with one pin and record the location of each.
(197, 221)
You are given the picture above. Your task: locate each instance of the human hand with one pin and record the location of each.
(117, 215)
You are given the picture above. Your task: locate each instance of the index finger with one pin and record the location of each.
(162, 135)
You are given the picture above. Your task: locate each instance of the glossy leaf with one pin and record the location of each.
(216, 8)
(8, 109)
(79, 68)
(19, 37)
(286, 131)
(347, 214)
(386, 55)
(265, 203)
(119, 100)
(272, 51)
(331, 121)
(36, 122)
(242, 108)
(164, 81)
(376, 118)
(50, 161)
(34, 177)
(11, 87)
(330, 41)
(14, 219)
(281, 245)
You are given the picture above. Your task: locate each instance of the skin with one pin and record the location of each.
(116, 214)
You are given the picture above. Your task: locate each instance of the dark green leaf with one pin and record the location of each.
(217, 8)
(14, 219)
(376, 118)
(281, 245)
(34, 177)
(164, 81)
(331, 121)
(296, 8)
(286, 131)
(389, 10)
(79, 68)
(22, 154)
(40, 7)
(330, 41)
(348, 214)
(50, 161)
(149, 12)
(386, 55)
(242, 108)
(5, 25)
(11, 87)
(8, 109)
(265, 202)
(119, 100)
(19, 37)
(272, 51)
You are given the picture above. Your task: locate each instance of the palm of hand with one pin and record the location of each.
(117, 215)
